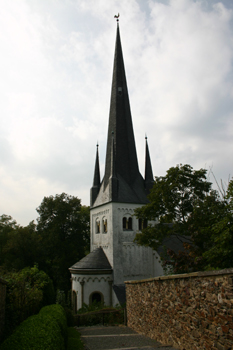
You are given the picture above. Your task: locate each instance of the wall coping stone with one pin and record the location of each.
(185, 275)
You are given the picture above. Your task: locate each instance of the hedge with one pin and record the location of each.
(74, 340)
(46, 330)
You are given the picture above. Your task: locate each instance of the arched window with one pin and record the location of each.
(127, 223)
(105, 225)
(130, 223)
(142, 224)
(97, 229)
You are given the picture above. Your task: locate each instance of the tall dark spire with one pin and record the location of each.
(121, 150)
(149, 180)
(120, 122)
(96, 181)
(113, 181)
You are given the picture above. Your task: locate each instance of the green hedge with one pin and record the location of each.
(74, 340)
(46, 330)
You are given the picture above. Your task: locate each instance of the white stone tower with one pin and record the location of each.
(113, 200)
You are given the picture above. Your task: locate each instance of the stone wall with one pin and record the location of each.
(189, 311)
(2, 306)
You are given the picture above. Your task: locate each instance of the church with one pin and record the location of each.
(114, 257)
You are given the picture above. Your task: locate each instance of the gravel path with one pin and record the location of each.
(117, 338)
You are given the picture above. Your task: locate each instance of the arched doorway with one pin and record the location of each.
(96, 297)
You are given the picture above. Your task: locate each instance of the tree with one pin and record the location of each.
(27, 291)
(184, 206)
(201, 225)
(172, 200)
(7, 225)
(63, 228)
(22, 248)
(220, 254)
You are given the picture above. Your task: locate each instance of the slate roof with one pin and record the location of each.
(122, 180)
(96, 260)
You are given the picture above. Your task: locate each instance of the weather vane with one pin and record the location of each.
(117, 17)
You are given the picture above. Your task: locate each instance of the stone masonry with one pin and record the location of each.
(190, 311)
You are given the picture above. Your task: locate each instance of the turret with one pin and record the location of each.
(149, 180)
(96, 181)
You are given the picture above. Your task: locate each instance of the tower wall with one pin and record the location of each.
(129, 261)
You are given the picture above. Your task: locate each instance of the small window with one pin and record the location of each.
(142, 224)
(105, 226)
(127, 224)
(130, 223)
(97, 226)
(120, 91)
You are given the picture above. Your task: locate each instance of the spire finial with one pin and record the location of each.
(97, 145)
(145, 136)
(117, 17)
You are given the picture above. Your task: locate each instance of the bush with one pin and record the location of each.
(27, 291)
(74, 340)
(58, 314)
(46, 330)
(69, 317)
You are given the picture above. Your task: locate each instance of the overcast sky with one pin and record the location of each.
(56, 69)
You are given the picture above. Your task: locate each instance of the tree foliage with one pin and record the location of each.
(22, 247)
(58, 240)
(27, 291)
(184, 206)
(7, 225)
(220, 254)
(63, 228)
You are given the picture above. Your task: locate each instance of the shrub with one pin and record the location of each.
(58, 314)
(27, 291)
(69, 317)
(45, 330)
(74, 340)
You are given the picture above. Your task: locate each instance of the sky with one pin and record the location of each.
(56, 70)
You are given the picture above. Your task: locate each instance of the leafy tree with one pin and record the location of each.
(205, 216)
(27, 291)
(172, 200)
(220, 254)
(7, 225)
(184, 206)
(22, 248)
(63, 228)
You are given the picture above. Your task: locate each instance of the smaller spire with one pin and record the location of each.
(149, 179)
(96, 180)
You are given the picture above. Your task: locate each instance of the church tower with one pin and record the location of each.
(113, 201)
